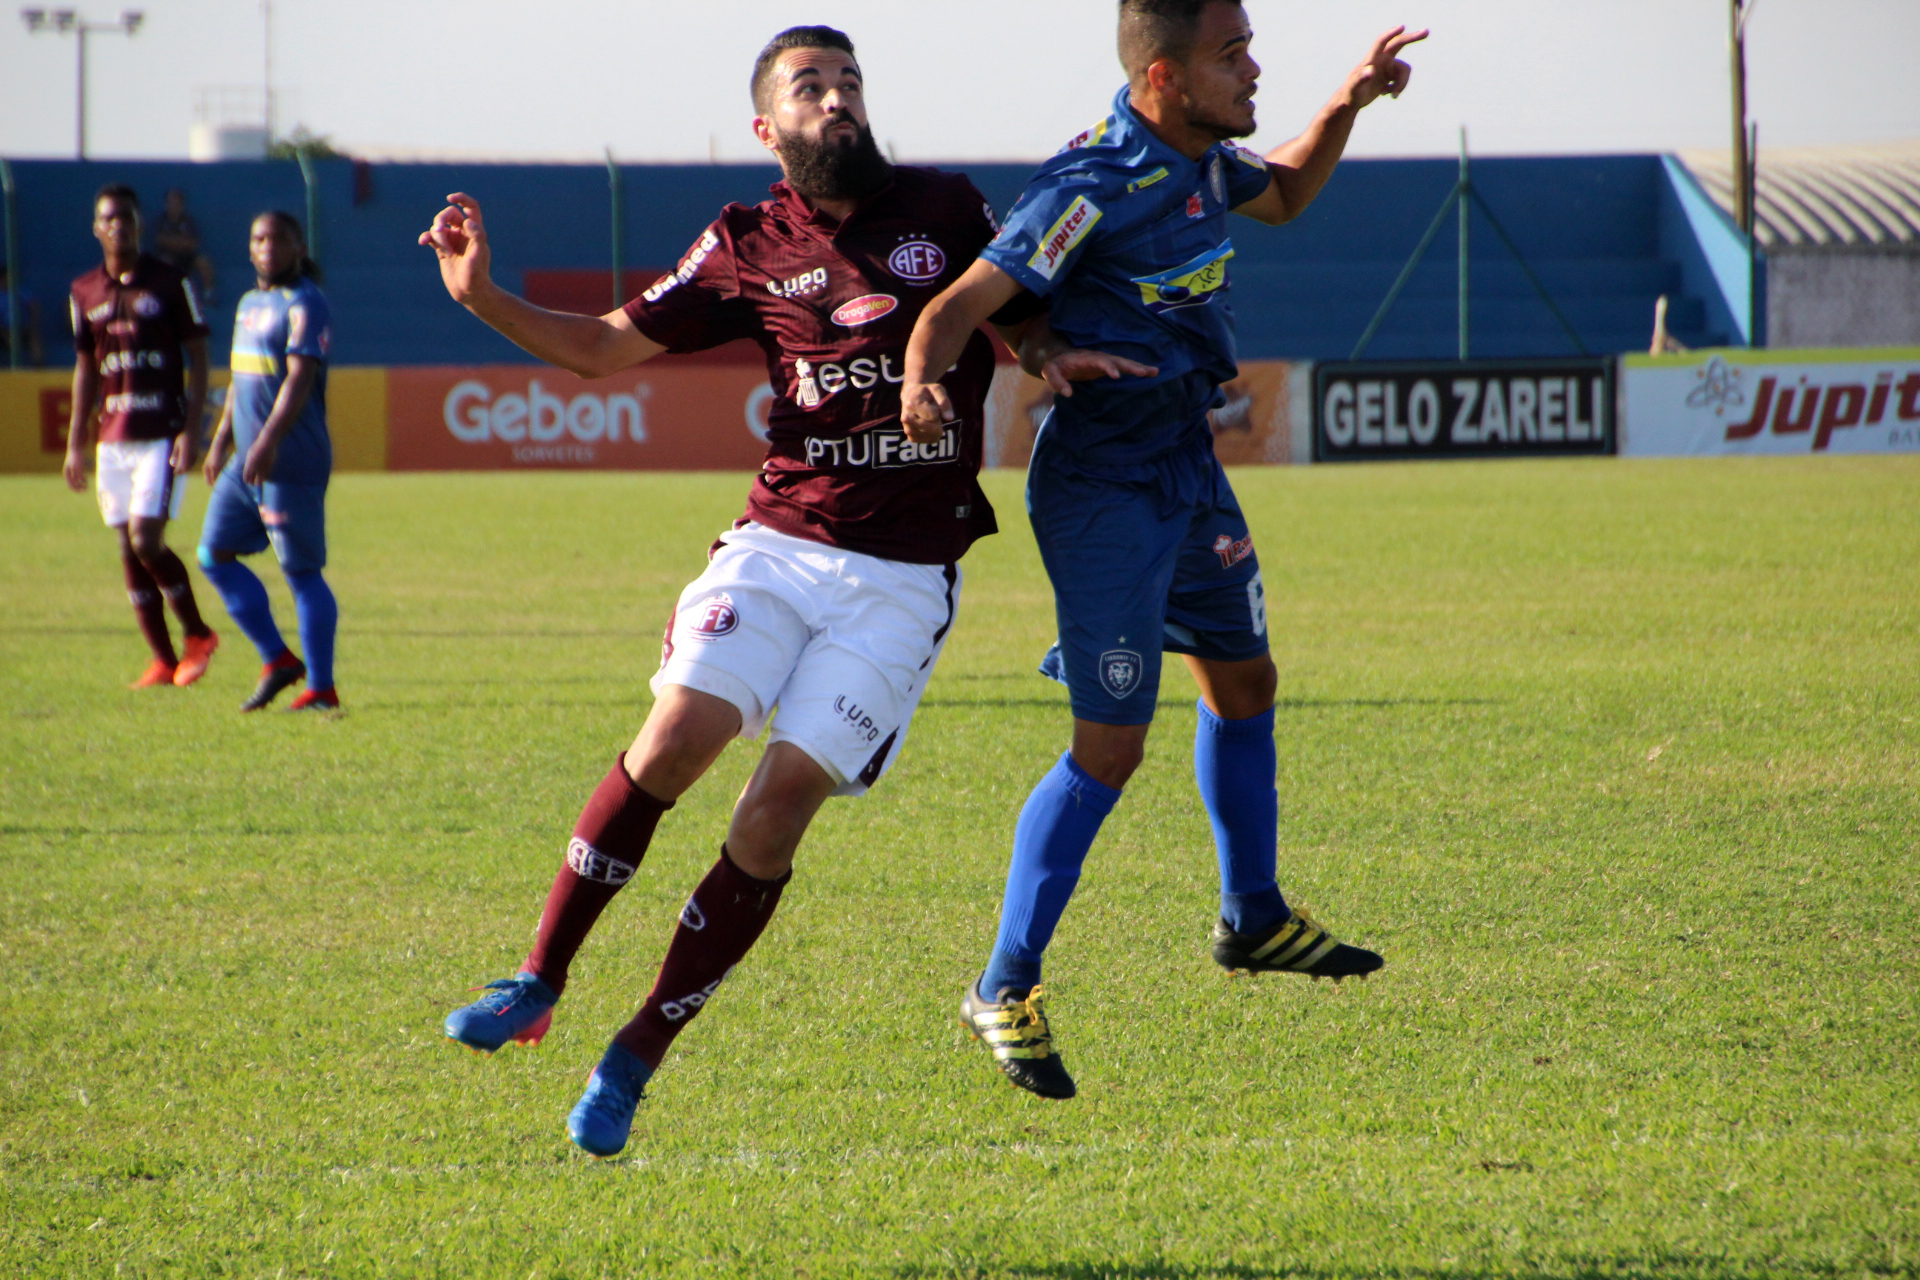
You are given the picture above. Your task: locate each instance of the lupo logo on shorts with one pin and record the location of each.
(1119, 672)
(713, 617)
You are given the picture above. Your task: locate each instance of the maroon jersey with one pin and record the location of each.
(133, 329)
(832, 304)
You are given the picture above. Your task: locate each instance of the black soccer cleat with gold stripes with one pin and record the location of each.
(1295, 945)
(1016, 1033)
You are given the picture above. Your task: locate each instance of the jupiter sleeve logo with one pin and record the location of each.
(1063, 235)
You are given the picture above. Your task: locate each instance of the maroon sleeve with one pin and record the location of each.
(82, 327)
(184, 307)
(980, 212)
(699, 304)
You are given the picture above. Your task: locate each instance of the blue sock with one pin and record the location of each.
(246, 600)
(318, 617)
(1051, 840)
(1234, 762)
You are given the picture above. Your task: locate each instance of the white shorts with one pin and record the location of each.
(842, 644)
(135, 478)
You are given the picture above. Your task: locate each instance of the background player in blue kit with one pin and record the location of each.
(1124, 233)
(270, 462)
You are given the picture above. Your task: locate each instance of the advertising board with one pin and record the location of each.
(510, 417)
(1462, 409)
(1737, 401)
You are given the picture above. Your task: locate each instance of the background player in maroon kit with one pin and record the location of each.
(831, 598)
(140, 356)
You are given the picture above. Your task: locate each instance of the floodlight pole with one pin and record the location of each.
(613, 199)
(62, 21)
(1463, 194)
(13, 269)
(1465, 186)
(1738, 11)
(303, 152)
(1755, 337)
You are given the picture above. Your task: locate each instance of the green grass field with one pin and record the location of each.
(1616, 762)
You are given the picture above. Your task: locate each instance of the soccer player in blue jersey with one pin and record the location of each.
(270, 462)
(1124, 233)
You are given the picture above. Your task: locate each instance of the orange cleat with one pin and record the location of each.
(158, 674)
(194, 664)
(316, 700)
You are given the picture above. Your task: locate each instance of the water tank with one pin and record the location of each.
(227, 142)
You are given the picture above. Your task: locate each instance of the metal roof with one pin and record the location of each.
(1864, 198)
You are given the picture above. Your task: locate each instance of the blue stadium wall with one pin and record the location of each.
(1607, 235)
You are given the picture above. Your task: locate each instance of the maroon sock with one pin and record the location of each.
(718, 926)
(167, 570)
(608, 843)
(149, 608)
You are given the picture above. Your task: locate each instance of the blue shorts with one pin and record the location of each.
(291, 518)
(1146, 559)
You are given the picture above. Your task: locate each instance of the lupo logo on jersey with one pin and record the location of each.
(713, 617)
(145, 304)
(864, 309)
(918, 261)
(1191, 284)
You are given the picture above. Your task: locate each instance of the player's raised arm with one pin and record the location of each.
(1300, 167)
(591, 346)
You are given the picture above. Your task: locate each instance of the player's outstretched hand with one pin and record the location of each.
(925, 411)
(181, 456)
(458, 238)
(1383, 74)
(1079, 365)
(75, 471)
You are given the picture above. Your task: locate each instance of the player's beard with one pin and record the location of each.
(1220, 126)
(832, 169)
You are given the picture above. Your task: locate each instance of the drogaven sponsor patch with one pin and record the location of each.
(1190, 284)
(866, 307)
(1069, 230)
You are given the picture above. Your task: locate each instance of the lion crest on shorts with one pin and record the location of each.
(1120, 671)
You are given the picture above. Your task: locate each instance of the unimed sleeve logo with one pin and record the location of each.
(475, 415)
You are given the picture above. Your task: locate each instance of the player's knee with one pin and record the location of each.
(148, 545)
(208, 557)
(1258, 684)
(1109, 754)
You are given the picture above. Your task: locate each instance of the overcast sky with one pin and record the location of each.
(953, 79)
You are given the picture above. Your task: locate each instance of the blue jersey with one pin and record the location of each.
(1128, 240)
(272, 324)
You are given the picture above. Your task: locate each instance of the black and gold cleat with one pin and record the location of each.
(1296, 945)
(1016, 1033)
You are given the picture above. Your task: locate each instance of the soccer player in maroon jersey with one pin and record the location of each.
(140, 356)
(831, 598)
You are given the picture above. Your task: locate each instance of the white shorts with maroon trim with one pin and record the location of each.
(135, 478)
(840, 644)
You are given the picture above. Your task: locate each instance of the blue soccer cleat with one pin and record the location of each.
(519, 1009)
(600, 1122)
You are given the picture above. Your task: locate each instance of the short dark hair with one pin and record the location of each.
(117, 191)
(306, 267)
(792, 38)
(1155, 29)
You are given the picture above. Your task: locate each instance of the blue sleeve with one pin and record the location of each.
(1050, 227)
(1247, 176)
(309, 325)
